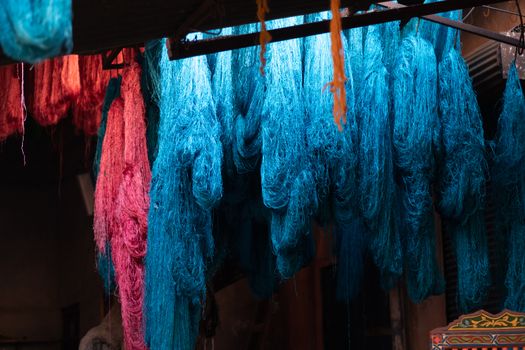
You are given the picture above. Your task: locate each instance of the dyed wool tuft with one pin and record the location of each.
(288, 185)
(508, 176)
(186, 185)
(462, 179)
(441, 37)
(109, 176)
(376, 189)
(86, 112)
(243, 208)
(151, 91)
(12, 112)
(128, 242)
(416, 142)
(338, 83)
(349, 230)
(121, 198)
(332, 157)
(31, 31)
(56, 89)
(104, 260)
(249, 93)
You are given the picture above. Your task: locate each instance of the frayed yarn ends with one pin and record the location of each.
(508, 175)
(416, 143)
(12, 112)
(462, 179)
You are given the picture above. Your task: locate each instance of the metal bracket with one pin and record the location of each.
(108, 58)
(178, 41)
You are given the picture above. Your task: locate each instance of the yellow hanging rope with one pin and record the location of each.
(337, 86)
(265, 37)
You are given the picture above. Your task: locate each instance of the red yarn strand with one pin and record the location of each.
(11, 113)
(56, 89)
(94, 80)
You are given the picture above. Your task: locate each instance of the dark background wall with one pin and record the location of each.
(49, 288)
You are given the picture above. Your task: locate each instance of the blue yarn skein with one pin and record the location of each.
(247, 218)
(349, 229)
(33, 30)
(416, 143)
(462, 179)
(186, 185)
(508, 176)
(151, 92)
(288, 185)
(376, 187)
(249, 94)
(333, 156)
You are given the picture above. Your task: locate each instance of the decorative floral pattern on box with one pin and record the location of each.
(481, 329)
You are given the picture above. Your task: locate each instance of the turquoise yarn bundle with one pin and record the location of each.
(249, 94)
(105, 266)
(349, 230)
(442, 38)
(151, 92)
(186, 185)
(416, 139)
(333, 156)
(246, 217)
(508, 176)
(377, 190)
(32, 31)
(288, 186)
(462, 179)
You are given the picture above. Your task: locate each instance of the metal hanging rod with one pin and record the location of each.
(502, 10)
(393, 11)
(469, 28)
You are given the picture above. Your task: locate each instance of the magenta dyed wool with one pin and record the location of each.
(128, 245)
(122, 201)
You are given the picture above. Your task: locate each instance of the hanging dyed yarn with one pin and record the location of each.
(416, 140)
(31, 31)
(128, 241)
(249, 94)
(121, 199)
(324, 140)
(264, 37)
(186, 184)
(349, 230)
(109, 176)
(86, 111)
(376, 191)
(56, 89)
(509, 187)
(151, 91)
(104, 260)
(246, 216)
(462, 179)
(441, 37)
(222, 89)
(333, 159)
(12, 111)
(288, 187)
(337, 85)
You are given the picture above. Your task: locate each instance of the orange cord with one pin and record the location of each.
(265, 37)
(337, 86)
